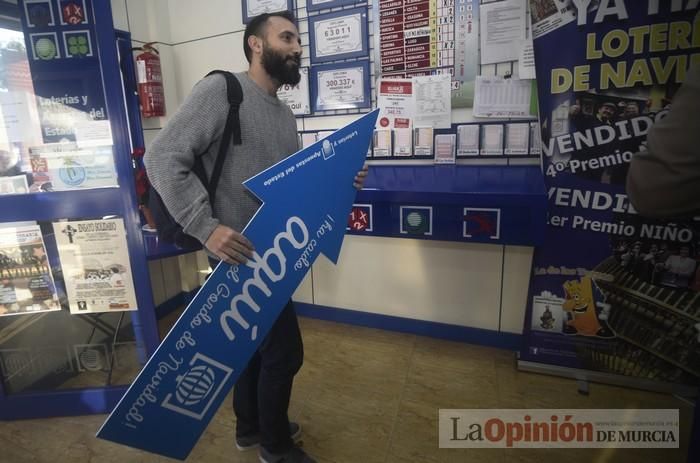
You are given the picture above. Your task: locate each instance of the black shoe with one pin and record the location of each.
(296, 455)
(253, 442)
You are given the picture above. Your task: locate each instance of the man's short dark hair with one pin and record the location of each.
(256, 27)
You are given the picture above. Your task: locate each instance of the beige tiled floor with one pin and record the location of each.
(366, 396)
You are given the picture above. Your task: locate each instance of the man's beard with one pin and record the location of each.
(284, 69)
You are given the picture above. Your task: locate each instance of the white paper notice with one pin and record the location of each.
(526, 60)
(468, 140)
(341, 88)
(403, 142)
(382, 143)
(95, 263)
(93, 133)
(297, 96)
(433, 101)
(517, 136)
(499, 97)
(395, 103)
(502, 30)
(19, 120)
(445, 149)
(338, 35)
(257, 7)
(492, 139)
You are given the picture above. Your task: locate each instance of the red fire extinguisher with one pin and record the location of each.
(150, 82)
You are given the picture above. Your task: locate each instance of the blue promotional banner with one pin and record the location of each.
(306, 201)
(611, 291)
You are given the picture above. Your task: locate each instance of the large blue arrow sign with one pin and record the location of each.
(306, 201)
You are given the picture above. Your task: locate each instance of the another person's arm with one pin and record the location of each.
(359, 181)
(664, 181)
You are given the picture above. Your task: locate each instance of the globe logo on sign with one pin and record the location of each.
(72, 174)
(45, 49)
(193, 393)
(195, 385)
(414, 219)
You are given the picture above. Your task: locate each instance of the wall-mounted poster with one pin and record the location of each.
(431, 97)
(425, 37)
(340, 86)
(338, 35)
(297, 96)
(26, 283)
(395, 103)
(498, 97)
(95, 263)
(253, 8)
(315, 5)
(502, 31)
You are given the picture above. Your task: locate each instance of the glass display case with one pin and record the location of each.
(76, 310)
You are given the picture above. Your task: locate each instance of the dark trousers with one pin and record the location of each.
(261, 395)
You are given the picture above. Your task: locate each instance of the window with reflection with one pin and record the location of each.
(55, 133)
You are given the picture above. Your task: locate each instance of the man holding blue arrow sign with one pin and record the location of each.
(241, 327)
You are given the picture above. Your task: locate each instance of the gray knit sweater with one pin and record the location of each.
(268, 132)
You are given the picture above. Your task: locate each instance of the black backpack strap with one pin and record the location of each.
(234, 93)
(232, 128)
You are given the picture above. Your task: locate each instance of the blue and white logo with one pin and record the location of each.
(195, 385)
(197, 388)
(417, 220)
(328, 151)
(72, 174)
